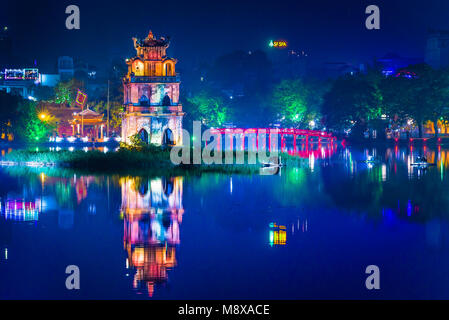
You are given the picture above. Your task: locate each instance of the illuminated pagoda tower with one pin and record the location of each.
(151, 94)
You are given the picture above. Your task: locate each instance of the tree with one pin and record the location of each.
(297, 102)
(209, 108)
(33, 125)
(8, 114)
(65, 92)
(418, 92)
(115, 110)
(351, 103)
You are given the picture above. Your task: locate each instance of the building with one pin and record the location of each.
(151, 94)
(20, 81)
(437, 49)
(66, 69)
(392, 63)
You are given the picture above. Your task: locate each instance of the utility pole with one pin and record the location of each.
(107, 130)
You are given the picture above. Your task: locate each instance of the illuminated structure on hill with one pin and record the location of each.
(151, 94)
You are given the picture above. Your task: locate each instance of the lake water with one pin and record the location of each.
(306, 233)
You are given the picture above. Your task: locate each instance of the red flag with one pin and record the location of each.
(81, 98)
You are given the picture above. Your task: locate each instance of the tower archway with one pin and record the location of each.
(167, 138)
(143, 135)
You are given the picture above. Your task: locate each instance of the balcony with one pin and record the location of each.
(154, 109)
(142, 79)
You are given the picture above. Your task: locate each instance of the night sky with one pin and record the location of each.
(328, 30)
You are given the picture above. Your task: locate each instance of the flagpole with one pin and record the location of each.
(107, 131)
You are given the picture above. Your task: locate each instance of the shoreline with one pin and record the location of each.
(127, 161)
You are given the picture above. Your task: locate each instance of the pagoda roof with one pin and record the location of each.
(89, 113)
(152, 41)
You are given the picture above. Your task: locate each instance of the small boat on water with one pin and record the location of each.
(422, 162)
(273, 163)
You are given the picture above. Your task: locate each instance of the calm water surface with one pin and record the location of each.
(307, 233)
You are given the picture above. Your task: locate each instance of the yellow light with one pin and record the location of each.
(42, 116)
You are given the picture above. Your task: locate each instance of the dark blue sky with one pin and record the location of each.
(328, 30)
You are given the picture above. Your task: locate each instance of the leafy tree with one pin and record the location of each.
(209, 108)
(65, 92)
(418, 92)
(30, 126)
(297, 102)
(352, 102)
(8, 114)
(115, 110)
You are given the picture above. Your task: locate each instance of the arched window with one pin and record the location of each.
(138, 68)
(167, 138)
(144, 101)
(143, 135)
(168, 69)
(166, 101)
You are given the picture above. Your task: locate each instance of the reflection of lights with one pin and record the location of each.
(6, 253)
(230, 185)
(71, 139)
(277, 235)
(21, 210)
(152, 211)
(71, 149)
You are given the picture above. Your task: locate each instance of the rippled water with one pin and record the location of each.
(306, 233)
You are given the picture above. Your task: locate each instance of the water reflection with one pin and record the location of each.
(308, 216)
(152, 211)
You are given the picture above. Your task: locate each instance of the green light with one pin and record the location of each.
(271, 44)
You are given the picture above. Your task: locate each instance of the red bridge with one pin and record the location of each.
(257, 137)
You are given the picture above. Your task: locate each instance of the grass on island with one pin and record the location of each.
(128, 159)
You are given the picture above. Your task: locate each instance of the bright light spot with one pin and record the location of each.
(312, 123)
(32, 98)
(71, 139)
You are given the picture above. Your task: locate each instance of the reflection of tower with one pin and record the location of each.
(152, 212)
(151, 94)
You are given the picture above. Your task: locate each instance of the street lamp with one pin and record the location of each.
(42, 116)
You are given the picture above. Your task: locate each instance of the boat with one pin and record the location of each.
(423, 164)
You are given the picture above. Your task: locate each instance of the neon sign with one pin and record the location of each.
(21, 74)
(278, 44)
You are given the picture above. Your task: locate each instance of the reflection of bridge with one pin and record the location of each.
(257, 138)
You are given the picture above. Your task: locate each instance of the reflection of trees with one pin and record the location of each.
(374, 191)
(152, 210)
